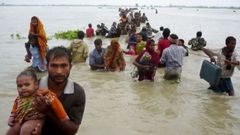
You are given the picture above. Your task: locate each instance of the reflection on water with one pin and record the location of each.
(117, 104)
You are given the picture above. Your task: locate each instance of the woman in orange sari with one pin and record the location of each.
(113, 57)
(37, 31)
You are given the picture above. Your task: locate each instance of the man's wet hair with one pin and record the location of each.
(229, 39)
(57, 52)
(166, 32)
(80, 34)
(199, 34)
(98, 41)
(29, 73)
(161, 28)
(90, 25)
(173, 36)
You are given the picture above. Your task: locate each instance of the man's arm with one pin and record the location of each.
(163, 59)
(69, 126)
(210, 54)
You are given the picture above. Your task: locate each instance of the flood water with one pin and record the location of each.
(115, 103)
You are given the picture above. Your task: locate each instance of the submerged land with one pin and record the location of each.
(130, 6)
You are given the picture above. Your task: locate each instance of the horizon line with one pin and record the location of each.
(136, 6)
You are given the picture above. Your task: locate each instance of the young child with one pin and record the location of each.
(25, 117)
(181, 43)
(33, 52)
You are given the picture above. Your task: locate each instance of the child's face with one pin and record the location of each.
(34, 41)
(26, 85)
(179, 42)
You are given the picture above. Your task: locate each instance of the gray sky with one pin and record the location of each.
(130, 2)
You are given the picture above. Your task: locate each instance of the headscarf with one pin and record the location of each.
(42, 38)
(115, 47)
(113, 57)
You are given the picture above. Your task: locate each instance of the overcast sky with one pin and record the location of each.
(130, 2)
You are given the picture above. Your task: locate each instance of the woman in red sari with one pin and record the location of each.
(147, 62)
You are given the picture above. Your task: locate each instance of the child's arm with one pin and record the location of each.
(58, 109)
(12, 116)
(11, 119)
(52, 100)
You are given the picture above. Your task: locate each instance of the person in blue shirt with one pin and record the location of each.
(96, 60)
(38, 64)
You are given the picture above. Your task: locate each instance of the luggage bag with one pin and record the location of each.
(210, 72)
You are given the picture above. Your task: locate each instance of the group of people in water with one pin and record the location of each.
(55, 104)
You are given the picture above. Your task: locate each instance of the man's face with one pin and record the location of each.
(59, 69)
(231, 45)
(98, 47)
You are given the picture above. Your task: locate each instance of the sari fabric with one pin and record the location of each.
(113, 57)
(153, 62)
(42, 38)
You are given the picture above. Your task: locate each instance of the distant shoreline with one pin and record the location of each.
(129, 6)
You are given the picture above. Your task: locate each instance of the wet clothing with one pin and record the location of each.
(37, 62)
(96, 58)
(226, 73)
(140, 47)
(42, 38)
(162, 44)
(79, 50)
(73, 101)
(24, 109)
(132, 40)
(144, 19)
(113, 57)
(197, 43)
(173, 58)
(90, 32)
(113, 32)
(147, 57)
(157, 36)
(225, 83)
